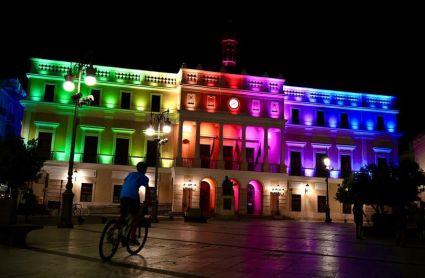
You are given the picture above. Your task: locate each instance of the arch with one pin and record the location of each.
(212, 193)
(254, 198)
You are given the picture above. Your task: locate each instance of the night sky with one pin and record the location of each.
(364, 49)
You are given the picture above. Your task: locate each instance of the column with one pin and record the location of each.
(244, 164)
(197, 160)
(266, 165)
(220, 162)
(282, 152)
(179, 158)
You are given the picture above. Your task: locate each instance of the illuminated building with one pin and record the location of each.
(256, 130)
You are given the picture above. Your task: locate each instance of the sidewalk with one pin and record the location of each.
(249, 248)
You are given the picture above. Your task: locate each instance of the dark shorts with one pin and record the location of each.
(358, 219)
(129, 204)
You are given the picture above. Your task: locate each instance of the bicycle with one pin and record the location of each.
(115, 234)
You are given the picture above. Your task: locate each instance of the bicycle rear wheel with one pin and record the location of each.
(109, 240)
(141, 236)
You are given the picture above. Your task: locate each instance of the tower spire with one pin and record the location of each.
(228, 49)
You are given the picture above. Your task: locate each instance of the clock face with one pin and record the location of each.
(234, 103)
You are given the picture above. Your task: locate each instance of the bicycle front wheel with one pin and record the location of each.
(109, 240)
(141, 236)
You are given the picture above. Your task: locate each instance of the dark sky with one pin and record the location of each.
(368, 49)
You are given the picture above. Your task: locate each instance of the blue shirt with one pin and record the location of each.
(132, 183)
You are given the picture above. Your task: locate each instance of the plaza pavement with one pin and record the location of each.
(246, 248)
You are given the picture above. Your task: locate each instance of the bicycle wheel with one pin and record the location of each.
(109, 240)
(141, 236)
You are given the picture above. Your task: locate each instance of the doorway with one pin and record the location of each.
(204, 198)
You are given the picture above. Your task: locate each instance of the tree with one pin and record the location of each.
(20, 164)
(380, 186)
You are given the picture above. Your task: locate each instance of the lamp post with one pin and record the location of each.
(158, 119)
(90, 79)
(189, 186)
(327, 162)
(277, 191)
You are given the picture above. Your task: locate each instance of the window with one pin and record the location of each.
(380, 125)
(152, 148)
(121, 151)
(45, 145)
(125, 100)
(346, 208)
(205, 152)
(90, 149)
(295, 116)
(295, 164)
(86, 192)
(49, 92)
(96, 95)
(228, 157)
(344, 120)
(321, 203)
(156, 103)
(320, 117)
(117, 193)
(345, 166)
(296, 202)
(320, 165)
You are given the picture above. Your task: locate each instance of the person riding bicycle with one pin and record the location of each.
(130, 198)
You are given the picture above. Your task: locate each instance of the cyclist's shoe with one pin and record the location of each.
(133, 242)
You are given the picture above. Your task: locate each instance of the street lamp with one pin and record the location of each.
(158, 118)
(90, 79)
(327, 162)
(277, 191)
(189, 186)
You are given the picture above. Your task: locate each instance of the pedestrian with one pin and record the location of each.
(420, 220)
(30, 202)
(400, 216)
(358, 217)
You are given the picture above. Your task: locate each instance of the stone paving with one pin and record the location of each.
(247, 248)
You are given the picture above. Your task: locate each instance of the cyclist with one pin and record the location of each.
(130, 198)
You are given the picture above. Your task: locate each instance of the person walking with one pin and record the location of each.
(30, 202)
(420, 220)
(400, 216)
(358, 217)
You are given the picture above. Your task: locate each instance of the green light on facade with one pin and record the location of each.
(105, 159)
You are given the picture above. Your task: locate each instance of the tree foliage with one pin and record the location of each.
(380, 186)
(20, 163)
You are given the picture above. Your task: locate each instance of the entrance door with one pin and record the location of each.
(250, 199)
(204, 199)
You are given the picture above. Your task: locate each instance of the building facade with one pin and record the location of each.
(11, 110)
(262, 134)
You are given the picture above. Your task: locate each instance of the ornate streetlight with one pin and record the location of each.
(327, 162)
(277, 191)
(189, 186)
(90, 79)
(158, 119)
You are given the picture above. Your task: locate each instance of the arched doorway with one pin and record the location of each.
(204, 197)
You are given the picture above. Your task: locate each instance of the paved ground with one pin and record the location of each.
(248, 248)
